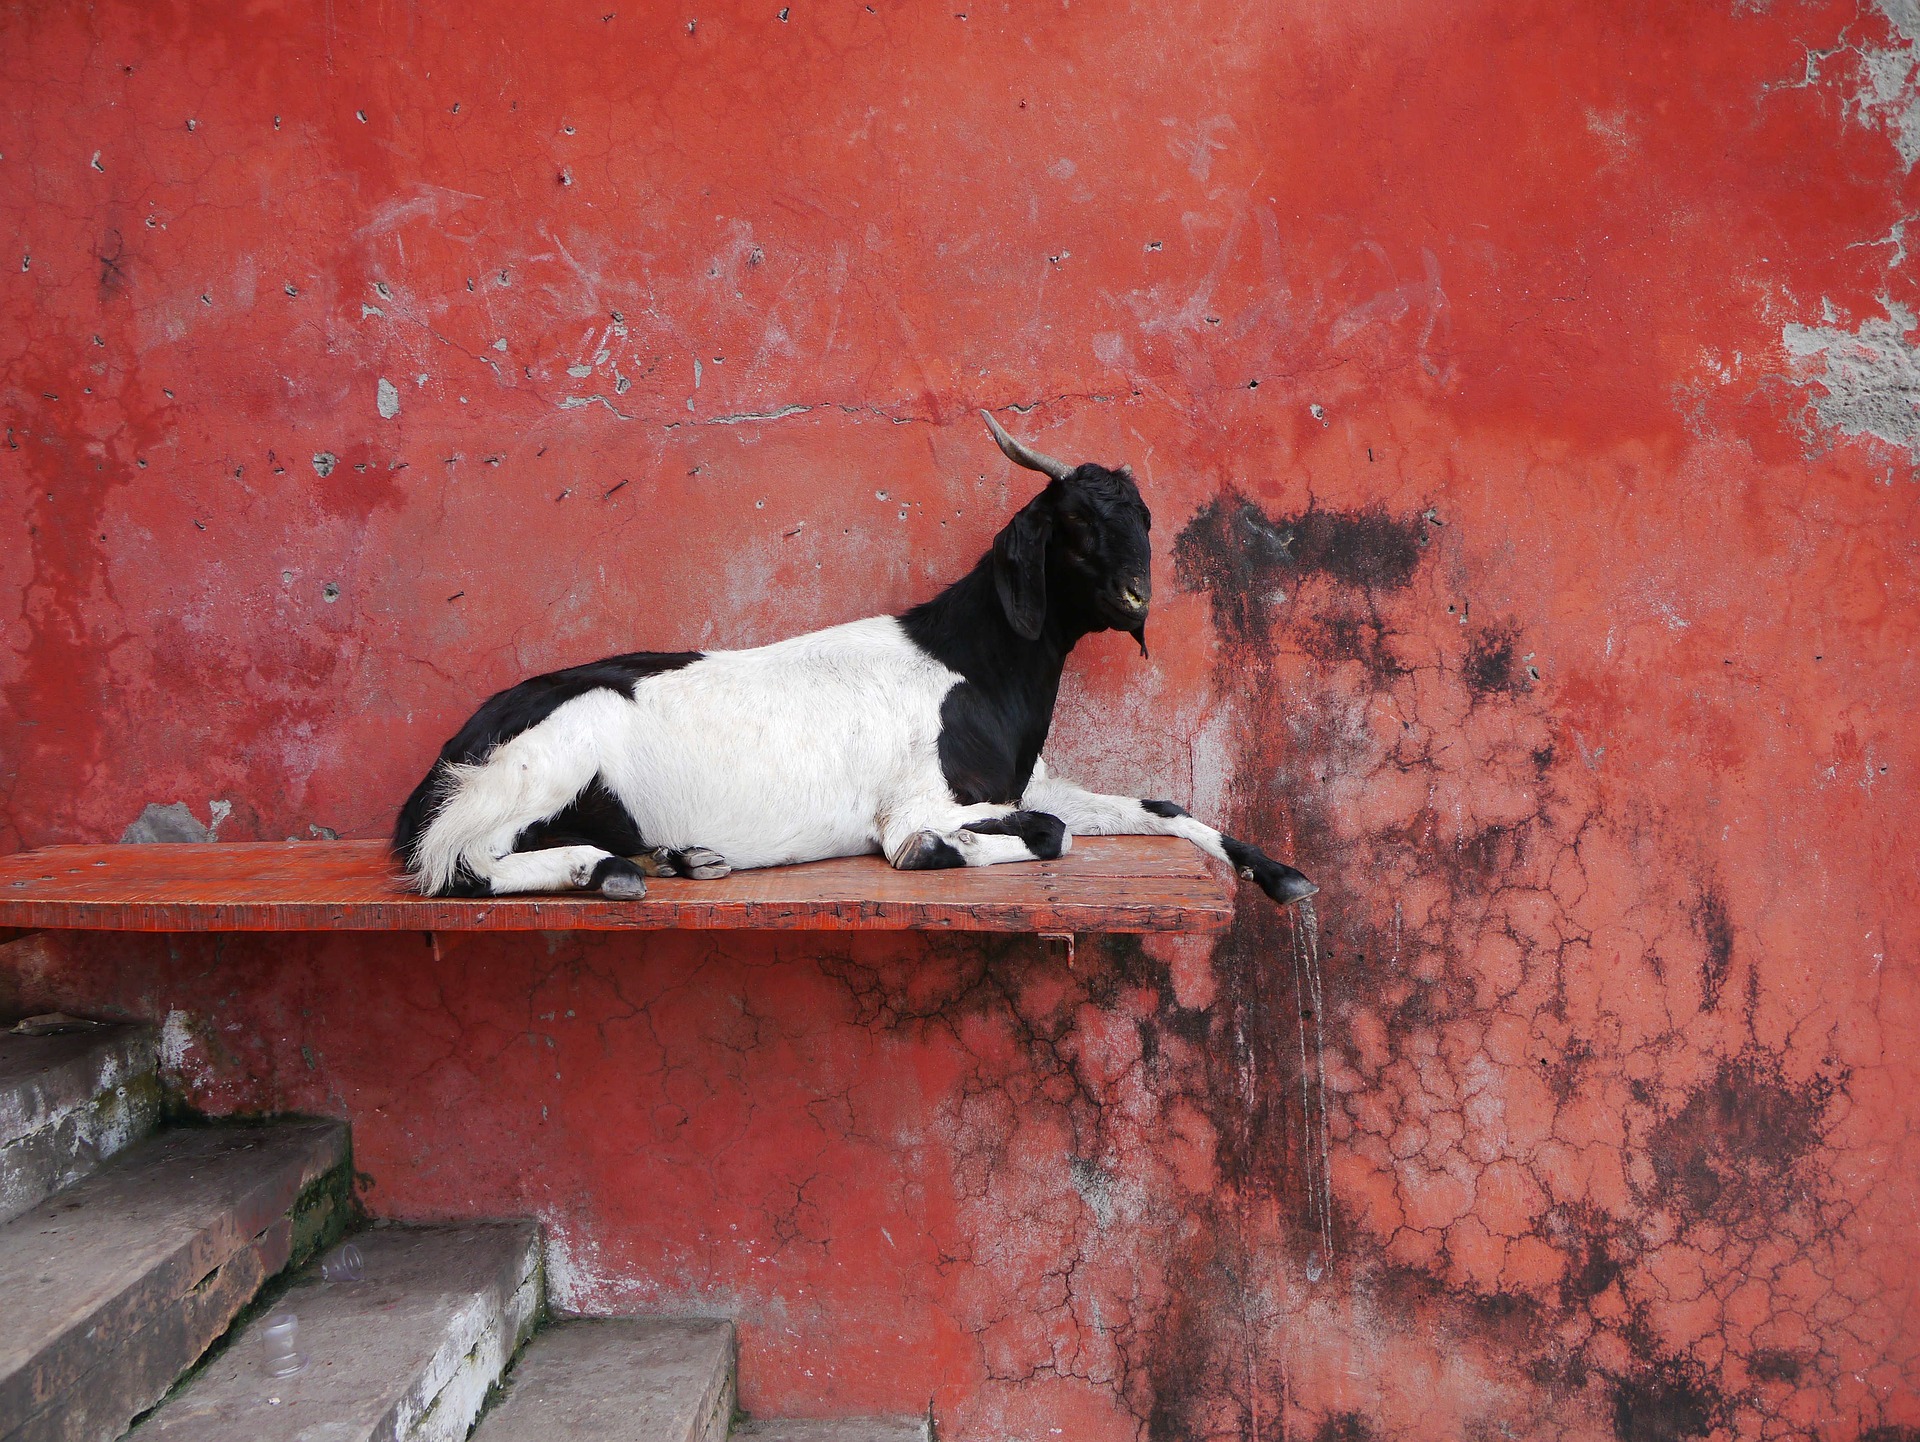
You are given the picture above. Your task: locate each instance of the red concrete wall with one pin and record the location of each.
(1526, 399)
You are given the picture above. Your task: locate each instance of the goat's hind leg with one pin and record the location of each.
(567, 868)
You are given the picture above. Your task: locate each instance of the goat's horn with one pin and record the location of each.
(1025, 455)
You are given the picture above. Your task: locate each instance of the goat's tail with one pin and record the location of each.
(410, 839)
(464, 816)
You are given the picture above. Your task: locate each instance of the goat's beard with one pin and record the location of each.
(1141, 636)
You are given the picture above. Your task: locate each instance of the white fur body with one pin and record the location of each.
(822, 745)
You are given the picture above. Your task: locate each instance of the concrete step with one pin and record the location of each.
(837, 1429)
(406, 1354)
(619, 1380)
(115, 1286)
(67, 1102)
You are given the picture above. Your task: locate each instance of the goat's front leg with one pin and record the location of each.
(1091, 813)
(930, 836)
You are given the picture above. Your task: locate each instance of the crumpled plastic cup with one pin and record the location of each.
(343, 1264)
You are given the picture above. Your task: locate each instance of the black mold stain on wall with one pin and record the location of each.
(1239, 555)
(1716, 929)
(1296, 601)
(1669, 1402)
(1492, 665)
(1346, 1427)
(1732, 1153)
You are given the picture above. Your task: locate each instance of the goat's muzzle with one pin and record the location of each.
(1135, 596)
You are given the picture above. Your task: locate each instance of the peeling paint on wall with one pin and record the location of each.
(1890, 95)
(1867, 379)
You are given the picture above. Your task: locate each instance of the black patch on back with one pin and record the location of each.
(1165, 809)
(507, 713)
(1044, 835)
(503, 716)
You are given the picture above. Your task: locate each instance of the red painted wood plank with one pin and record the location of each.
(1126, 883)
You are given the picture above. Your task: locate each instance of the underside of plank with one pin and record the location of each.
(1105, 884)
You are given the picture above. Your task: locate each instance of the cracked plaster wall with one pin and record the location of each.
(1524, 397)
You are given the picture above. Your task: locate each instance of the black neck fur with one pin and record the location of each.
(994, 723)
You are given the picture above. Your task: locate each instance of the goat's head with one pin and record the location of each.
(1079, 549)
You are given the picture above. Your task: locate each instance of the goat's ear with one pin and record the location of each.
(1020, 567)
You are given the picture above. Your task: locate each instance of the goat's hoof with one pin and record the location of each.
(1280, 881)
(619, 879)
(1288, 887)
(703, 864)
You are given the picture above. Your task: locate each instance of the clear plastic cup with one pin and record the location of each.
(280, 1338)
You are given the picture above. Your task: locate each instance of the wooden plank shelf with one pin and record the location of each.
(1105, 884)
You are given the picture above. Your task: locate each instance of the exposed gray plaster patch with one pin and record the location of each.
(324, 462)
(174, 822)
(1095, 1187)
(387, 398)
(1902, 15)
(1870, 384)
(1891, 99)
(1888, 97)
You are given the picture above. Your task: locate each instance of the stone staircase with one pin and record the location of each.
(142, 1269)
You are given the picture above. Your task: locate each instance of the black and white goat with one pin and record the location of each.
(917, 736)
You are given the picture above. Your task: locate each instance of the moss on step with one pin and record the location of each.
(319, 1217)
